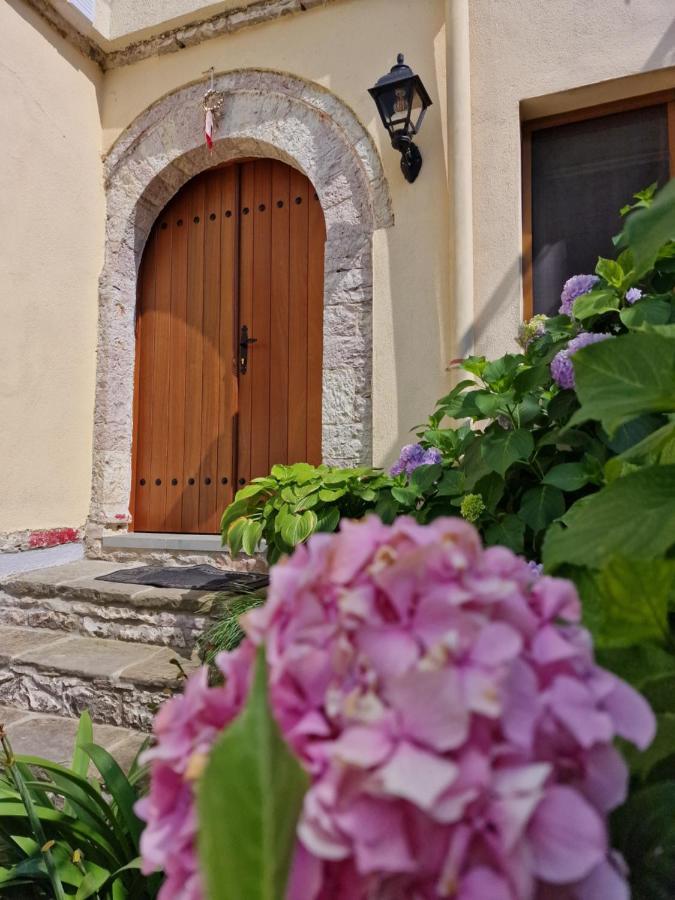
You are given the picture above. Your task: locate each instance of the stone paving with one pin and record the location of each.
(53, 737)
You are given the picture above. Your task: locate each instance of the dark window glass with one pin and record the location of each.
(582, 174)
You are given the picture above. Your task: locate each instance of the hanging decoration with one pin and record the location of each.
(212, 103)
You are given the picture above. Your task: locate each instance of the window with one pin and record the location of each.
(579, 169)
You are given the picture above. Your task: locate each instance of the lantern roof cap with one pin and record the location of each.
(397, 72)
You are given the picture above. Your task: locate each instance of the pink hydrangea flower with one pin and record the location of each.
(448, 709)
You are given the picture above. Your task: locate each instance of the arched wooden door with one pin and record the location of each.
(237, 253)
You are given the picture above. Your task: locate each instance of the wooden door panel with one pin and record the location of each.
(238, 245)
(297, 329)
(174, 479)
(193, 363)
(279, 302)
(227, 405)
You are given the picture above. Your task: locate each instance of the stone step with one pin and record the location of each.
(53, 737)
(69, 598)
(120, 683)
(150, 548)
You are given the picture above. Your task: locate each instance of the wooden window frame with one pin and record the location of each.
(528, 127)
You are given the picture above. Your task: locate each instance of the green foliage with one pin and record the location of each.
(62, 834)
(285, 507)
(226, 633)
(247, 825)
(583, 479)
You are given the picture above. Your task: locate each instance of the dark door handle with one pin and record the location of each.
(244, 341)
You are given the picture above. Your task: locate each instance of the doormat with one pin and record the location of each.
(189, 578)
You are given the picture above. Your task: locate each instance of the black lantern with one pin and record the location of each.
(402, 101)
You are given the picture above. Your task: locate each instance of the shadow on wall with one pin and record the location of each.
(65, 49)
(664, 52)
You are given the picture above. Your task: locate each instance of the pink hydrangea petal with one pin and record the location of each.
(519, 792)
(430, 707)
(606, 777)
(496, 643)
(391, 650)
(522, 705)
(482, 883)
(551, 646)
(573, 705)
(416, 775)
(362, 747)
(379, 831)
(567, 836)
(606, 882)
(306, 875)
(631, 714)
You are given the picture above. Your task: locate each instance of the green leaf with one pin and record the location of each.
(632, 517)
(423, 477)
(249, 799)
(541, 505)
(297, 528)
(532, 377)
(646, 312)
(509, 532)
(474, 364)
(451, 483)
(387, 508)
(251, 536)
(644, 833)
(568, 476)
(647, 230)
(655, 443)
(235, 535)
(611, 271)
(326, 495)
(640, 664)
(500, 449)
(85, 735)
(629, 376)
(491, 405)
(118, 787)
(405, 495)
(627, 602)
(328, 519)
(662, 748)
(594, 303)
(491, 489)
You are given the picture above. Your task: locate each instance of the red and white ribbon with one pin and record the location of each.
(208, 129)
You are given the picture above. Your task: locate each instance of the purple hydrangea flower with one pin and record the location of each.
(562, 369)
(413, 456)
(530, 331)
(536, 569)
(632, 295)
(574, 287)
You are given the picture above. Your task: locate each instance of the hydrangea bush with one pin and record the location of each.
(443, 699)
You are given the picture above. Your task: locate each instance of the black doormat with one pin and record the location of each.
(189, 578)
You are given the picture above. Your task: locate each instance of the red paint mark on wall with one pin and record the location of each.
(52, 537)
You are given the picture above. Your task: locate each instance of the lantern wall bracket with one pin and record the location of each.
(411, 158)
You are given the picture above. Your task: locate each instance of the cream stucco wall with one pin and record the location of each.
(345, 47)
(51, 233)
(522, 49)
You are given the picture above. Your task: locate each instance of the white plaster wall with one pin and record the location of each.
(525, 49)
(345, 47)
(51, 250)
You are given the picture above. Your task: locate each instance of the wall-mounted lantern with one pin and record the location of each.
(402, 101)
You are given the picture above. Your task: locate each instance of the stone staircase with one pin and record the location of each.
(69, 642)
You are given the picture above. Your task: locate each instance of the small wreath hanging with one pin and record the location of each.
(212, 103)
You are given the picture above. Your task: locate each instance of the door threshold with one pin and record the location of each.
(148, 540)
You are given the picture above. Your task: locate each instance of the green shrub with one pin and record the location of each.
(63, 834)
(292, 502)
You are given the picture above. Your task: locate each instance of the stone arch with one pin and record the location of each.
(265, 114)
